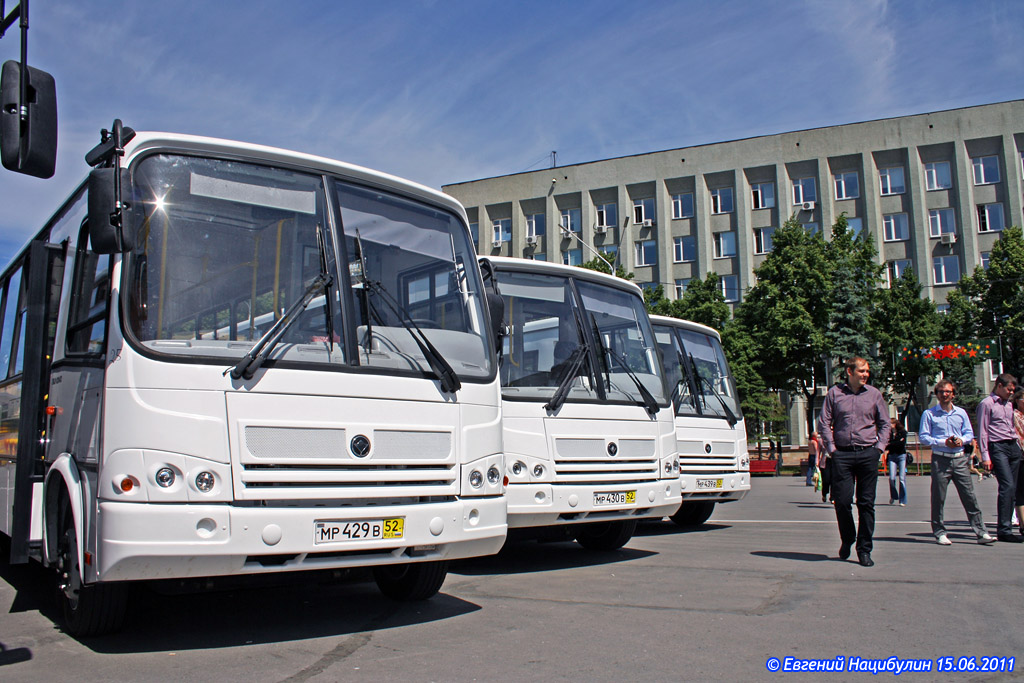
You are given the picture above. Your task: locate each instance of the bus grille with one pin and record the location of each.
(707, 457)
(588, 461)
(298, 462)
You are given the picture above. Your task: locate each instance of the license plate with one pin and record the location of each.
(362, 530)
(615, 498)
(709, 483)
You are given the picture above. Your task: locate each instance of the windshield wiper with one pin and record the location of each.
(648, 401)
(572, 368)
(440, 367)
(252, 361)
(729, 415)
(321, 245)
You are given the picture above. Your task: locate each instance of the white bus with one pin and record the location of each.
(589, 435)
(710, 434)
(226, 359)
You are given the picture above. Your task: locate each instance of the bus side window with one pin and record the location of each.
(90, 294)
(12, 293)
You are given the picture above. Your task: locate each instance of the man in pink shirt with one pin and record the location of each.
(1000, 452)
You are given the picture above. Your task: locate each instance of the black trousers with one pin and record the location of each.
(1006, 462)
(855, 470)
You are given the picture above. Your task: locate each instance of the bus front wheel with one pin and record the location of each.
(606, 536)
(88, 610)
(411, 582)
(693, 514)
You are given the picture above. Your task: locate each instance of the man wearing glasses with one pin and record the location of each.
(1000, 451)
(946, 428)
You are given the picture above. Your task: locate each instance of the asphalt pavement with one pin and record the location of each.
(758, 585)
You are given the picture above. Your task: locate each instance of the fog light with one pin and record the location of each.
(538, 470)
(493, 475)
(205, 481)
(476, 479)
(165, 477)
(517, 468)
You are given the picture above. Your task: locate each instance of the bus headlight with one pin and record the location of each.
(205, 481)
(493, 475)
(165, 477)
(517, 468)
(538, 471)
(476, 479)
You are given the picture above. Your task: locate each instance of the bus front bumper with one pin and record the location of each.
(536, 505)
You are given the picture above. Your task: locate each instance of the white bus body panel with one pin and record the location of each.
(713, 459)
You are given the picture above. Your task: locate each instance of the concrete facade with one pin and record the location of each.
(907, 180)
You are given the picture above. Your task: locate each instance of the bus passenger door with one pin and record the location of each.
(35, 329)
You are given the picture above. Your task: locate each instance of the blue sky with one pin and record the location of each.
(443, 92)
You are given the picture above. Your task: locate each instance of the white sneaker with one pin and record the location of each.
(943, 539)
(986, 538)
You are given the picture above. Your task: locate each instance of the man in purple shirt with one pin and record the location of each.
(854, 428)
(999, 450)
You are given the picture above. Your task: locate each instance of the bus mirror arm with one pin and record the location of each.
(495, 304)
(107, 207)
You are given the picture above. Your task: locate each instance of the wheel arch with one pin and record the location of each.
(62, 479)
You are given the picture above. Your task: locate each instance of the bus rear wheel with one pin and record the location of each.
(604, 536)
(88, 610)
(693, 514)
(411, 582)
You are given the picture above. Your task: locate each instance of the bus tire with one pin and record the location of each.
(88, 610)
(605, 536)
(694, 513)
(411, 582)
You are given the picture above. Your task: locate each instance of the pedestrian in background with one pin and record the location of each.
(813, 447)
(1000, 452)
(947, 429)
(895, 456)
(1018, 425)
(854, 428)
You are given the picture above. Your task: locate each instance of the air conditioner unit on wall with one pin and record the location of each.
(600, 229)
(808, 206)
(531, 239)
(497, 243)
(948, 238)
(647, 223)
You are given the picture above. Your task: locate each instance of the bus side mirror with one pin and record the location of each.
(106, 223)
(28, 146)
(495, 304)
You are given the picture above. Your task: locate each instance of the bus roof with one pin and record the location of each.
(548, 268)
(685, 324)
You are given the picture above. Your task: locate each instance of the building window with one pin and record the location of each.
(572, 257)
(813, 228)
(990, 218)
(682, 205)
(721, 200)
(502, 230)
(994, 365)
(763, 240)
(762, 195)
(804, 190)
(725, 244)
(684, 249)
(474, 232)
(681, 285)
(646, 253)
(943, 309)
(894, 270)
(730, 287)
(607, 215)
(537, 257)
(941, 221)
(890, 180)
(571, 220)
(947, 269)
(856, 226)
(610, 252)
(986, 259)
(847, 185)
(986, 170)
(535, 224)
(937, 176)
(896, 227)
(643, 211)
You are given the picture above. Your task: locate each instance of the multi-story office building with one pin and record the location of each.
(934, 190)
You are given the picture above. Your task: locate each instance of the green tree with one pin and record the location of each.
(601, 266)
(855, 276)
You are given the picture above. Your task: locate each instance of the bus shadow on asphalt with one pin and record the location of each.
(529, 556)
(666, 528)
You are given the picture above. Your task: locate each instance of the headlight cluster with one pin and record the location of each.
(152, 476)
(745, 462)
(484, 477)
(671, 467)
(526, 470)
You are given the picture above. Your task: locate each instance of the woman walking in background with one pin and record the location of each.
(896, 455)
(1018, 424)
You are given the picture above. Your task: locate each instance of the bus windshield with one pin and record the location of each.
(696, 370)
(225, 248)
(552, 334)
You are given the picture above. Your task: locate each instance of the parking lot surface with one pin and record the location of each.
(759, 582)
